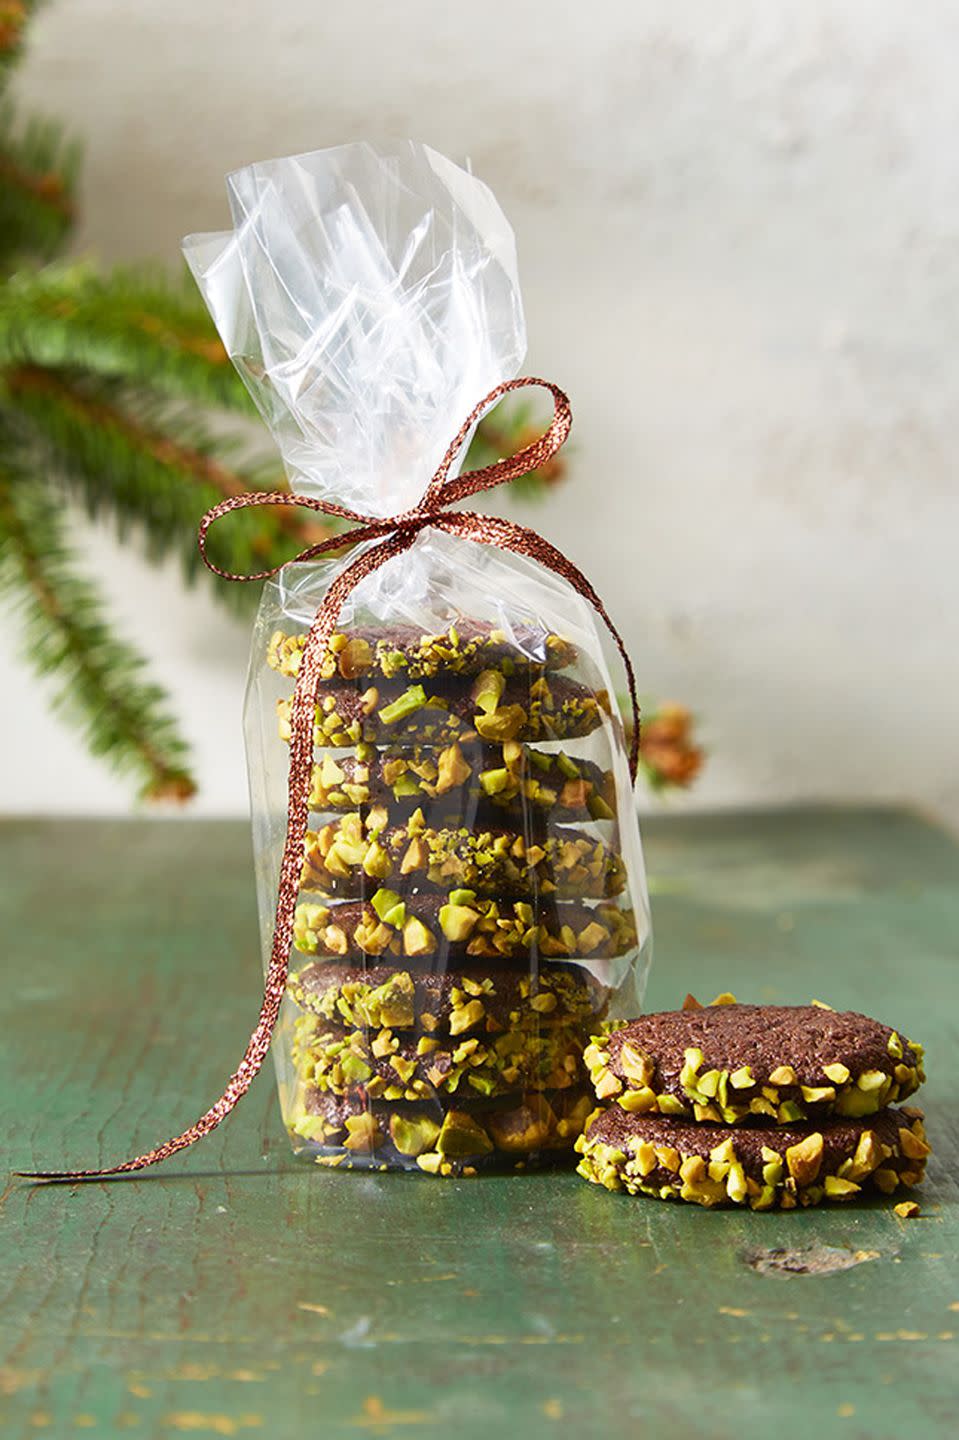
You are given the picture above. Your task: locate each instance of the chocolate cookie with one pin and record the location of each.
(730, 1063)
(759, 1167)
(492, 709)
(465, 648)
(442, 930)
(345, 856)
(461, 1003)
(387, 1066)
(457, 1140)
(473, 781)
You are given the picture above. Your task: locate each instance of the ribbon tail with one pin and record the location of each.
(301, 761)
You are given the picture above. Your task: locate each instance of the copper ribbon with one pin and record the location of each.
(394, 535)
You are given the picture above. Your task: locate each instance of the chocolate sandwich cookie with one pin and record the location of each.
(343, 858)
(390, 1066)
(442, 930)
(492, 709)
(730, 1063)
(460, 1003)
(456, 781)
(349, 1131)
(465, 648)
(762, 1167)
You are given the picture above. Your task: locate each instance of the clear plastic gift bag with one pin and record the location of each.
(472, 900)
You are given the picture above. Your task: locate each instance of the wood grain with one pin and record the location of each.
(235, 1291)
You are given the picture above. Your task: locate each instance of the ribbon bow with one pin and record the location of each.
(394, 535)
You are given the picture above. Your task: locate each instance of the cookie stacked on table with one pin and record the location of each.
(459, 890)
(769, 1106)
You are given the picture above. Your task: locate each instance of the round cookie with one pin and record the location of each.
(778, 1064)
(492, 709)
(512, 781)
(344, 857)
(435, 932)
(464, 648)
(387, 1066)
(348, 1131)
(762, 1167)
(450, 1003)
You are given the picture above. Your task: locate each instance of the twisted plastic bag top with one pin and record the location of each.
(367, 298)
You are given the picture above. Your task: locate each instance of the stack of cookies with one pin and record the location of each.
(461, 894)
(760, 1105)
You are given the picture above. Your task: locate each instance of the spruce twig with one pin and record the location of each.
(124, 719)
(38, 169)
(115, 448)
(124, 325)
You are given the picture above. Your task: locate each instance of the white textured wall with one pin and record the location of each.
(739, 237)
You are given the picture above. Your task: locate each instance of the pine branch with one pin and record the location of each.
(99, 678)
(14, 15)
(128, 325)
(38, 168)
(117, 449)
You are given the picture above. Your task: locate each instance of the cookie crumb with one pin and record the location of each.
(907, 1210)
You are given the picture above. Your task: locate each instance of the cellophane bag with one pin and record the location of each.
(473, 902)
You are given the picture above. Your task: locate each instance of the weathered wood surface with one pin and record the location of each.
(235, 1291)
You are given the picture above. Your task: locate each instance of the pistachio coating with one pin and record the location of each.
(764, 1168)
(456, 780)
(434, 931)
(515, 1131)
(491, 709)
(390, 1066)
(344, 856)
(458, 1003)
(775, 1064)
(463, 648)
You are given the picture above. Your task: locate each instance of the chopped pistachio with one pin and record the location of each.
(417, 939)
(363, 1133)
(503, 724)
(635, 1064)
(488, 690)
(453, 769)
(856, 1103)
(607, 1084)
(354, 1068)
(413, 1135)
(461, 1135)
(457, 922)
(389, 907)
(805, 1158)
(635, 1102)
(464, 1017)
(493, 782)
(913, 1146)
(355, 658)
(836, 1188)
(817, 1094)
(412, 699)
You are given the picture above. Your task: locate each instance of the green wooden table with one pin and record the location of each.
(235, 1290)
